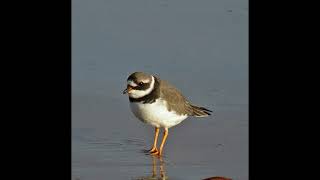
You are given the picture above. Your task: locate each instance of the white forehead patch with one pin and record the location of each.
(131, 83)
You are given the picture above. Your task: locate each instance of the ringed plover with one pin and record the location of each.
(159, 104)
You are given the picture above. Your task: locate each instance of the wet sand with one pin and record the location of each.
(196, 149)
(200, 47)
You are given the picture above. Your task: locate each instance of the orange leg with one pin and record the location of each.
(154, 147)
(165, 135)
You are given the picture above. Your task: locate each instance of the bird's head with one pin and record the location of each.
(139, 84)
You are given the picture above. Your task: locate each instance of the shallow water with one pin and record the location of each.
(200, 47)
(196, 149)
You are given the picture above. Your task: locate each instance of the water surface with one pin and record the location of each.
(199, 46)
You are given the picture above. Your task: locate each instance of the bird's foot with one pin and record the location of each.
(154, 149)
(156, 153)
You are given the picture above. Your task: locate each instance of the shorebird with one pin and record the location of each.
(159, 104)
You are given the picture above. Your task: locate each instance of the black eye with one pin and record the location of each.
(140, 83)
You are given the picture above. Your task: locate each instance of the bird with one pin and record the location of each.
(158, 103)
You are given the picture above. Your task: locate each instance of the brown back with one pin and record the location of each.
(176, 101)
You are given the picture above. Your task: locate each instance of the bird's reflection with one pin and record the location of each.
(155, 175)
(160, 174)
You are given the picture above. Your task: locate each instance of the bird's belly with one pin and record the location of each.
(156, 114)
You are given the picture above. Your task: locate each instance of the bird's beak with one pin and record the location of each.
(129, 88)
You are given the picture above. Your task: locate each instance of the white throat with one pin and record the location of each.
(140, 93)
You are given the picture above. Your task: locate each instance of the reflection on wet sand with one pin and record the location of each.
(163, 176)
(217, 178)
(154, 175)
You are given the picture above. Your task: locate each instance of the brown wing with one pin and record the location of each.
(178, 103)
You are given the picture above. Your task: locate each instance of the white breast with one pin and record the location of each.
(156, 114)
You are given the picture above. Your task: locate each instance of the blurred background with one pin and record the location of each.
(200, 46)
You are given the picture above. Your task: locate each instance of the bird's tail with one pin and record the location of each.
(200, 111)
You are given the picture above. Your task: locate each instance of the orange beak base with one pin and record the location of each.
(129, 88)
